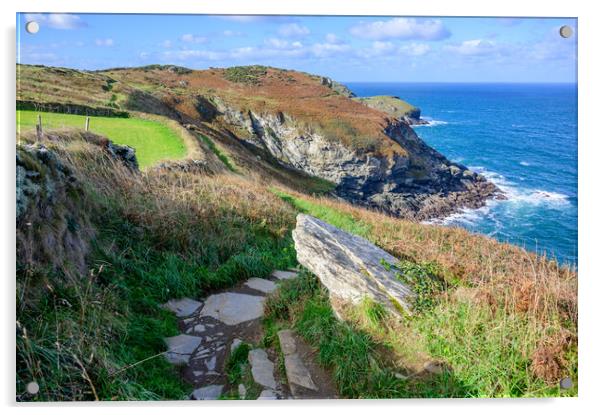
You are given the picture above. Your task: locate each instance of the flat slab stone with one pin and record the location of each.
(207, 392)
(183, 307)
(233, 308)
(180, 347)
(296, 372)
(285, 275)
(262, 368)
(260, 284)
(267, 394)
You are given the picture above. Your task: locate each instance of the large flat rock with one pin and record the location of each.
(348, 265)
(233, 308)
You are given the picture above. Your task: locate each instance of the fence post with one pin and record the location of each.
(87, 123)
(39, 127)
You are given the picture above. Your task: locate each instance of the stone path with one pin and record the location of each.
(214, 328)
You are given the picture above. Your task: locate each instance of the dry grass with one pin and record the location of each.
(157, 234)
(297, 94)
(495, 278)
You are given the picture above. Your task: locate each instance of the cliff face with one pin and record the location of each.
(419, 183)
(310, 124)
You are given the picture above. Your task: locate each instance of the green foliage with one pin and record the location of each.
(424, 280)
(483, 348)
(152, 140)
(236, 363)
(246, 74)
(336, 218)
(224, 159)
(353, 356)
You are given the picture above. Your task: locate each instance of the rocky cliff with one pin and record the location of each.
(395, 107)
(307, 123)
(418, 183)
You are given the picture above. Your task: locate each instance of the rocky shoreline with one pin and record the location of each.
(419, 185)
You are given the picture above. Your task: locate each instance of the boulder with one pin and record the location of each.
(351, 267)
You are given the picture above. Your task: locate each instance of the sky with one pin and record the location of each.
(345, 48)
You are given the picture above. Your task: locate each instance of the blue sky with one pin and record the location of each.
(395, 49)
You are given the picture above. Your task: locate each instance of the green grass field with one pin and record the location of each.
(152, 140)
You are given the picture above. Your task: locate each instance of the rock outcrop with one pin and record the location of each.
(50, 230)
(395, 107)
(350, 267)
(53, 226)
(420, 184)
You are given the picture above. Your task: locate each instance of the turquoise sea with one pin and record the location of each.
(523, 137)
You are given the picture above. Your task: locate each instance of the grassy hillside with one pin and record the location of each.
(393, 106)
(169, 90)
(110, 246)
(152, 140)
(98, 333)
(506, 325)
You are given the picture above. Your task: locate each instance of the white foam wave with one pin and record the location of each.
(524, 163)
(431, 122)
(515, 195)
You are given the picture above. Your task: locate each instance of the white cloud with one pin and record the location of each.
(322, 50)
(475, 47)
(190, 38)
(192, 53)
(57, 20)
(166, 44)
(332, 38)
(293, 30)
(414, 49)
(231, 33)
(104, 42)
(282, 43)
(401, 28)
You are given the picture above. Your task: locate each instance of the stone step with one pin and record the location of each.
(285, 275)
(262, 369)
(183, 307)
(207, 392)
(180, 348)
(260, 284)
(306, 379)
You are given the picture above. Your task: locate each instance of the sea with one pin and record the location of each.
(522, 137)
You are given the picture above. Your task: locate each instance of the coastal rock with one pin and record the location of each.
(420, 184)
(349, 266)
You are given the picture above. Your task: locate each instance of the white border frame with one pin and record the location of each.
(589, 73)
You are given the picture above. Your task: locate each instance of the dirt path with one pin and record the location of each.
(214, 328)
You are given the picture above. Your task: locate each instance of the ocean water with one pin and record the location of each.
(523, 137)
